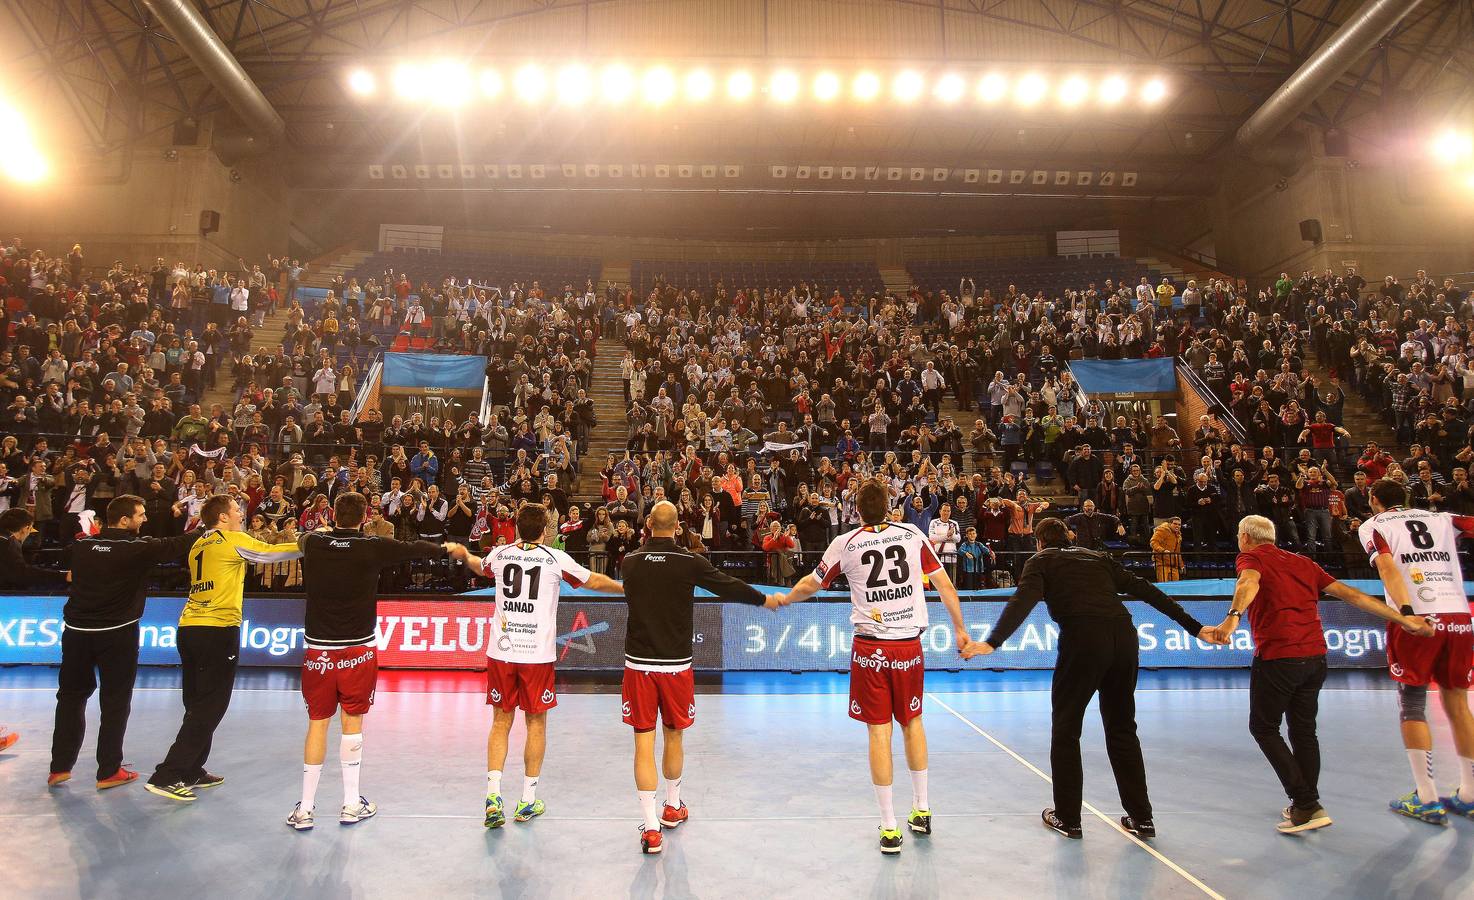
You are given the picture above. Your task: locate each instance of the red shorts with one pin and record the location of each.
(525, 686)
(886, 680)
(344, 676)
(672, 694)
(1444, 659)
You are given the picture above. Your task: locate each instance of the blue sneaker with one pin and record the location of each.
(529, 810)
(1458, 805)
(1432, 813)
(495, 817)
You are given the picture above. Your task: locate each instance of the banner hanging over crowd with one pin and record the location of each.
(433, 373)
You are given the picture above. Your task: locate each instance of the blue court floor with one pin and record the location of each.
(778, 788)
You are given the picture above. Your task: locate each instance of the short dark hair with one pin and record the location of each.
(14, 519)
(349, 509)
(214, 508)
(123, 506)
(1389, 493)
(1052, 533)
(532, 520)
(873, 501)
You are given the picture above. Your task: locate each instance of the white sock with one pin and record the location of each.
(647, 809)
(493, 783)
(529, 788)
(673, 793)
(1421, 762)
(1466, 779)
(887, 806)
(350, 753)
(310, 775)
(918, 789)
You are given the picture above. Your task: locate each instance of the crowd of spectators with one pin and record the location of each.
(758, 411)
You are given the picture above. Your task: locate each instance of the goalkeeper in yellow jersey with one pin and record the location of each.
(210, 640)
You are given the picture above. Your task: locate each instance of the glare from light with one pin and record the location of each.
(740, 86)
(1154, 92)
(531, 83)
(699, 86)
(491, 84)
(1469, 181)
(826, 86)
(13, 124)
(784, 86)
(1030, 90)
(1113, 90)
(449, 84)
(950, 88)
(908, 86)
(410, 82)
(362, 82)
(658, 86)
(1451, 147)
(867, 86)
(617, 84)
(25, 164)
(574, 85)
(992, 88)
(1074, 91)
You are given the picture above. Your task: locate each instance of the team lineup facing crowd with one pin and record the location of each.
(887, 565)
(781, 357)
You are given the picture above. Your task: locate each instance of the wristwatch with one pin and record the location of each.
(1235, 613)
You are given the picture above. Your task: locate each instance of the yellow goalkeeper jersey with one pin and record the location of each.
(217, 575)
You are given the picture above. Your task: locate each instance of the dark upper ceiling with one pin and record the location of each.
(109, 74)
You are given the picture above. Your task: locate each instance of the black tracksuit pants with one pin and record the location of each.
(1097, 655)
(208, 655)
(89, 659)
(1280, 688)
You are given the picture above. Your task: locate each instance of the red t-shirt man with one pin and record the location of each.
(1285, 616)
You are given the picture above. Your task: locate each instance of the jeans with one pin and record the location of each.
(1317, 526)
(1280, 688)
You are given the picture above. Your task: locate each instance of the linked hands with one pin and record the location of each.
(775, 601)
(457, 552)
(1222, 633)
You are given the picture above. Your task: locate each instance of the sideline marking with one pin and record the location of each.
(1191, 879)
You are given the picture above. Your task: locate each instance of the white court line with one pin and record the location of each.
(1097, 813)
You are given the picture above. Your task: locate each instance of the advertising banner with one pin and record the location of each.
(417, 372)
(816, 636)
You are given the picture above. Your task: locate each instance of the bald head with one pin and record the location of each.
(662, 519)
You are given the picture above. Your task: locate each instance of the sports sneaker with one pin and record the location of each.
(1432, 813)
(1055, 823)
(1297, 820)
(919, 821)
(495, 816)
(672, 816)
(300, 819)
(528, 810)
(1145, 829)
(176, 791)
(357, 812)
(650, 840)
(1458, 805)
(121, 777)
(208, 780)
(890, 840)
(56, 778)
(8, 739)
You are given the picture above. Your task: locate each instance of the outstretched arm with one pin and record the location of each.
(944, 587)
(1369, 604)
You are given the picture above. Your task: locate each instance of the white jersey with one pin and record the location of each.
(883, 564)
(527, 579)
(1424, 546)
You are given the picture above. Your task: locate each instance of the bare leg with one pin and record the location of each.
(645, 777)
(537, 744)
(882, 769)
(674, 758)
(1460, 720)
(496, 739)
(315, 749)
(915, 737)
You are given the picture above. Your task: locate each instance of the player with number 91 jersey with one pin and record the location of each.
(884, 565)
(1423, 544)
(528, 578)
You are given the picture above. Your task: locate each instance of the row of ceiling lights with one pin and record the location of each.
(453, 84)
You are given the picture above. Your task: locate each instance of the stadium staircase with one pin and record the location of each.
(897, 281)
(607, 392)
(1358, 416)
(320, 271)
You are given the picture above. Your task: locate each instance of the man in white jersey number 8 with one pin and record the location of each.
(884, 563)
(521, 649)
(1416, 555)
